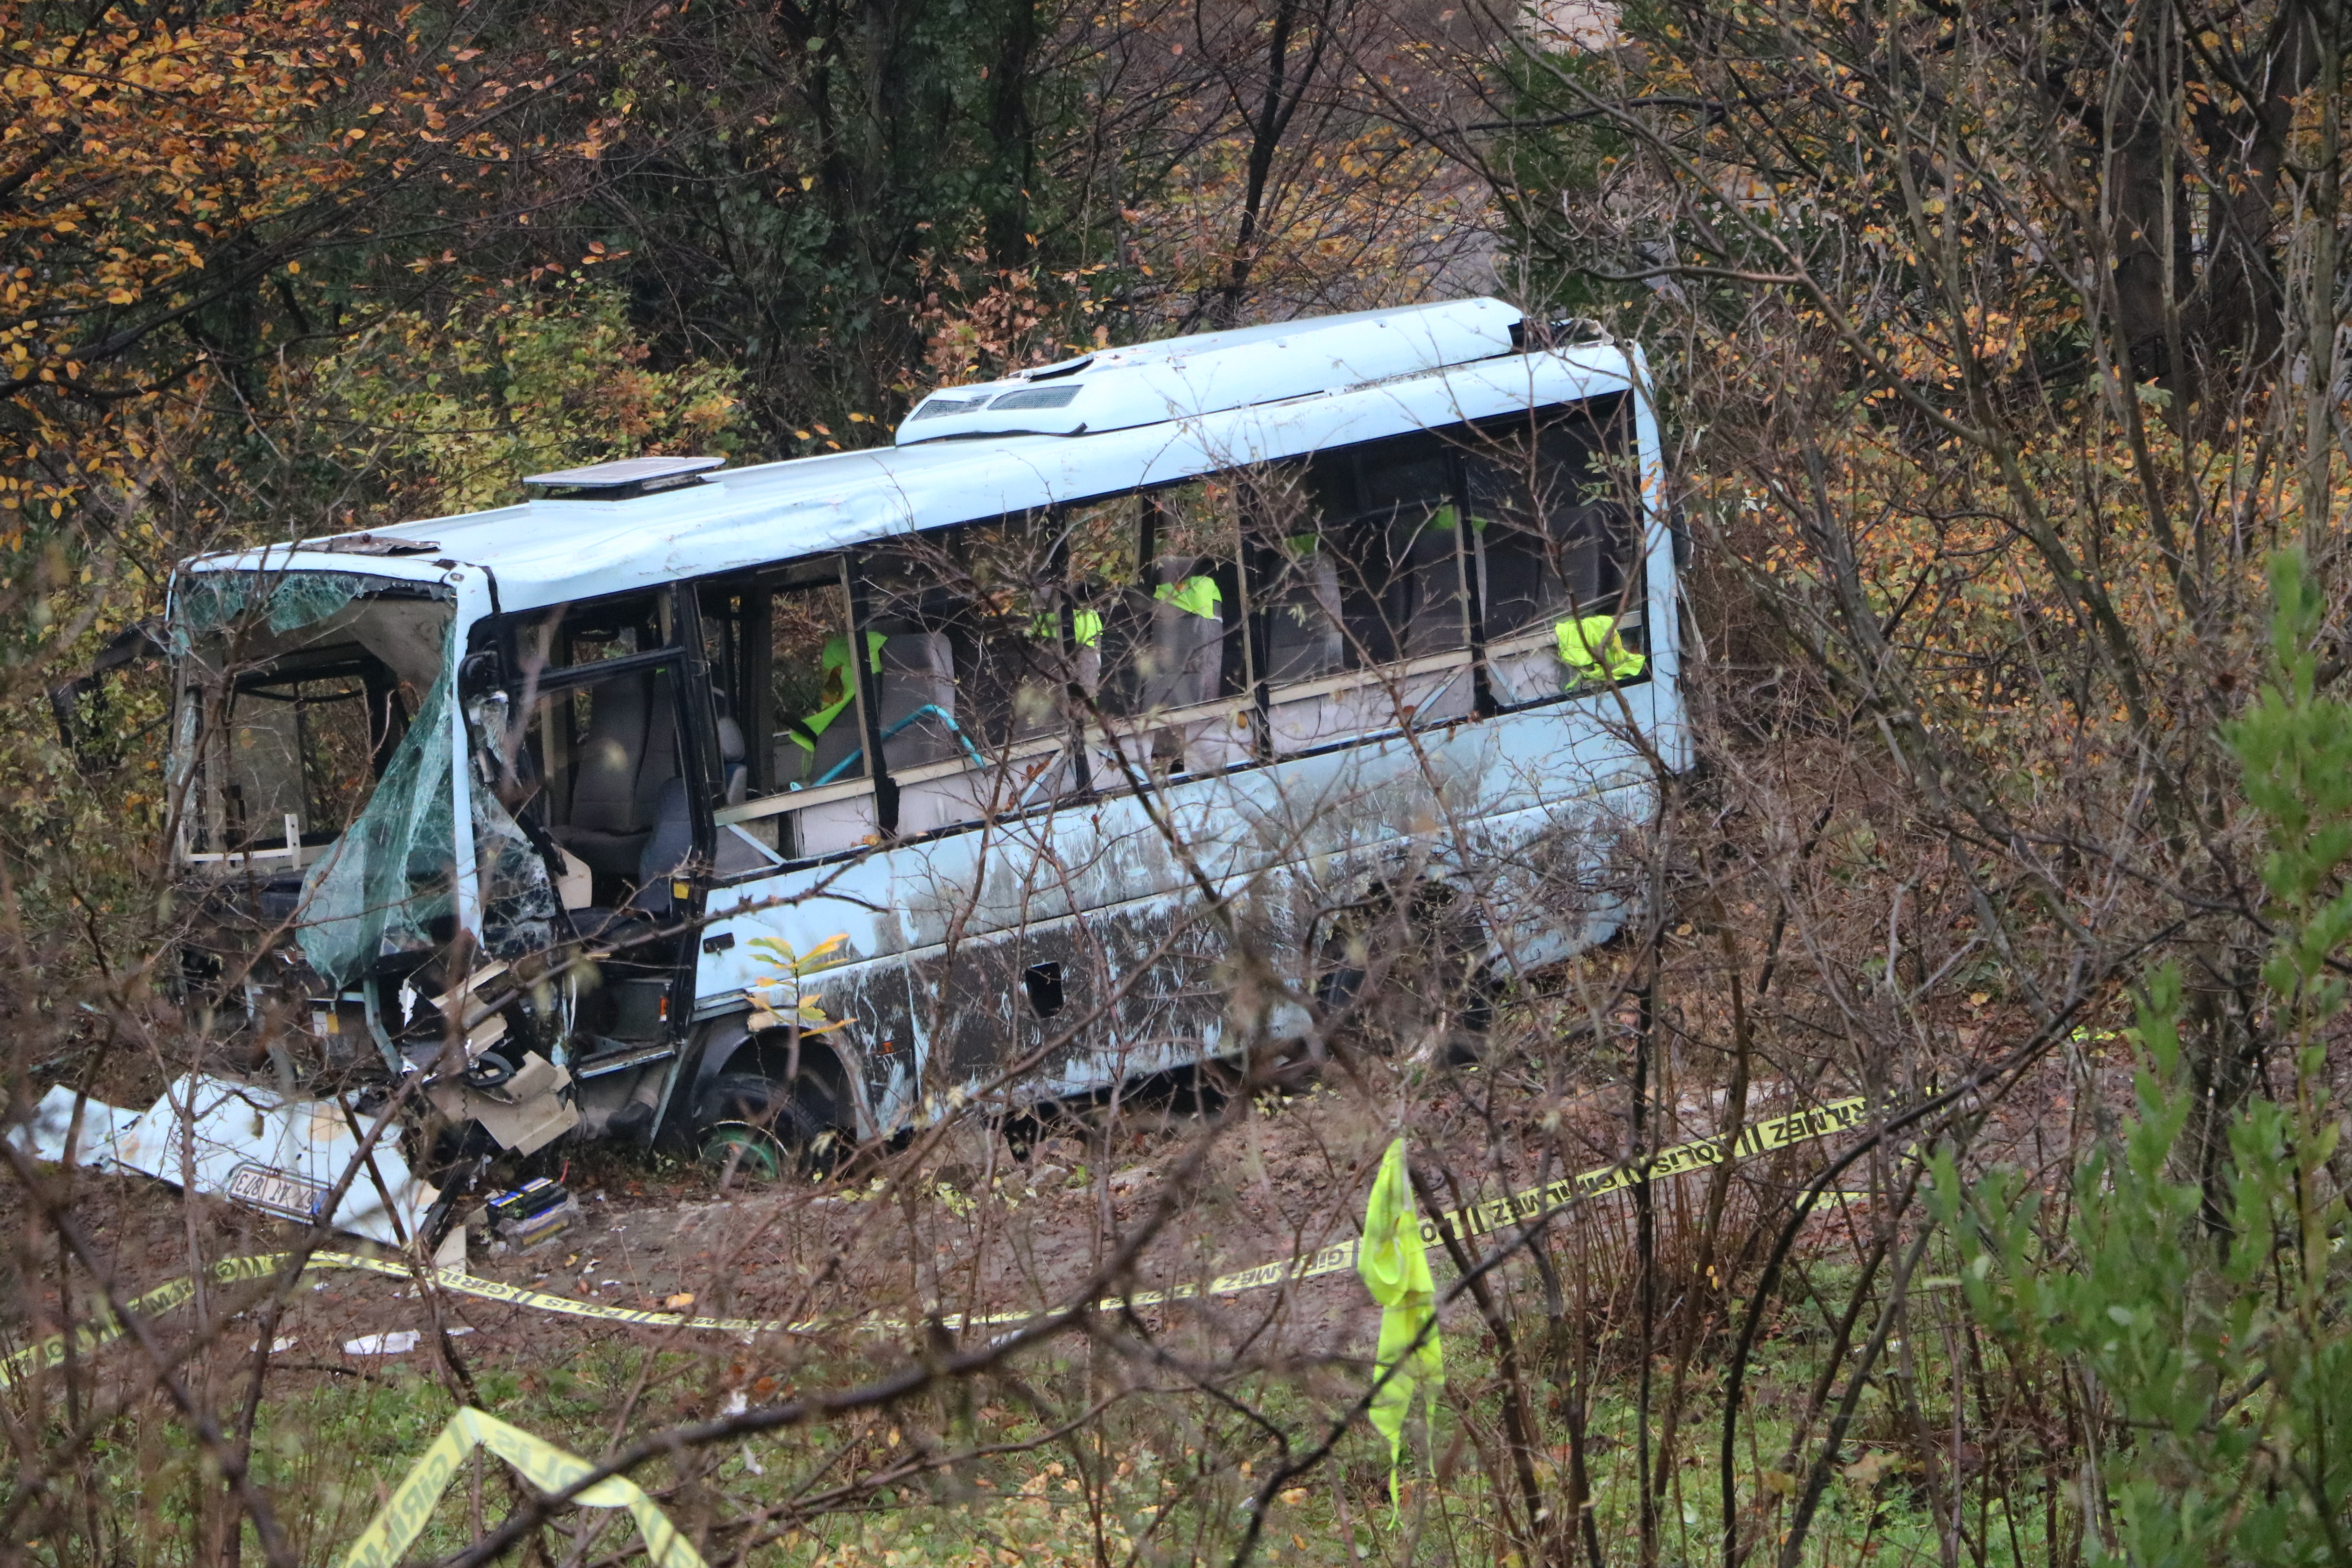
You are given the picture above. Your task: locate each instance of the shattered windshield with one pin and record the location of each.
(296, 690)
(313, 754)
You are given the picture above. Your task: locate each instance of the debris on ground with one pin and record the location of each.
(281, 1154)
(45, 1137)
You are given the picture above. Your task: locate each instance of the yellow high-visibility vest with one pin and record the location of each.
(835, 692)
(1590, 647)
(1195, 596)
(1086, 627)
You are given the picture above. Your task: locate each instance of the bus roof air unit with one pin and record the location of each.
(1180, 378)
(624, 481)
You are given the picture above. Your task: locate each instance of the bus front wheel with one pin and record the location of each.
(749, 1126)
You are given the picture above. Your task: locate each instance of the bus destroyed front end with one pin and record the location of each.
(341, 943)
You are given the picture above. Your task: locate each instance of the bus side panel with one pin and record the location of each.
(1519, 810)
(1140, 990)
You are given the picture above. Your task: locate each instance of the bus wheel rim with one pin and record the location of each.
(758, 1145)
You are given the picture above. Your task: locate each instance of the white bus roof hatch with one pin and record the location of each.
(1178, 378)
(619, 481)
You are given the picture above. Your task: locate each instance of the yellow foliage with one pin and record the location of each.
(155, 169)
(457, 404)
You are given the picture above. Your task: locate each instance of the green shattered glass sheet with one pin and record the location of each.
(206, 601)
(392, 877)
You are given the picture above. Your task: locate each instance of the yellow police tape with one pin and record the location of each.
(104, 1329)
(1474, 1220)
(542, 1464)
(1469, 1223)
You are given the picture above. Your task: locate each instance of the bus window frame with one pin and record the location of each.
(681, 652)
(1632, 611)
(1384, 675)
(1069, 737)
(875, 780)
(759, 732)
(1100, 730)
(1257, 695)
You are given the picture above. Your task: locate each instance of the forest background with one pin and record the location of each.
(2002, 351)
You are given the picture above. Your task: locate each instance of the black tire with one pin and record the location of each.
(760, 1127)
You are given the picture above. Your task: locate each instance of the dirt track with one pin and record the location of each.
(953, 1224)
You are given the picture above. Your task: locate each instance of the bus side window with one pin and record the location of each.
(603, 768)
(1387, 515)
(1560, 552)
(1366, 627)
(971, 671)
(1097, 543)
(814, 736)
(733, 617)
(784, 688)
(1296, 581)
(783, 684)
(1159, 602)
(595, 632)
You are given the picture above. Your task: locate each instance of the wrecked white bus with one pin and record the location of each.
(1052, 744)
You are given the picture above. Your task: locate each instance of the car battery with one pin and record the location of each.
(530, 1214)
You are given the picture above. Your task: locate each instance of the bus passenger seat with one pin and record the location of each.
(1186, 655)
(632, 929)
(1303, 634)
(731, 766)
(629, 753)
(669, 847)
(841, 742)
(917, 674)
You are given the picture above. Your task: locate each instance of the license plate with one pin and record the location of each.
(275, 1192)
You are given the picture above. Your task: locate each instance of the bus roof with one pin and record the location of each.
(1451, 363)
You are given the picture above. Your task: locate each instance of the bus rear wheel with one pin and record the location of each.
(1403, 972)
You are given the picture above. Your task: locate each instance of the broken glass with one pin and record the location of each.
(388, 883)
(286, 601)
(315, 743)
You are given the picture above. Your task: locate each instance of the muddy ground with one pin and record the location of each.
(960, 1220)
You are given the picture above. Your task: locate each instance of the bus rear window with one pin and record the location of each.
(1553, 517)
